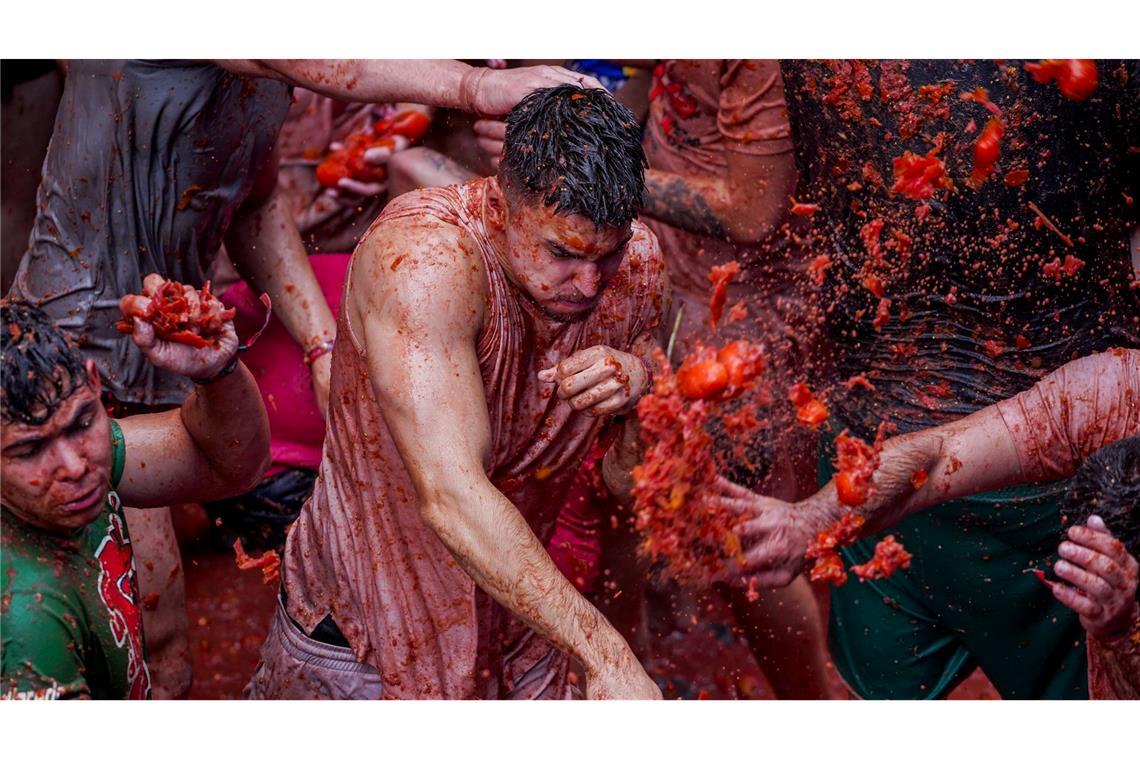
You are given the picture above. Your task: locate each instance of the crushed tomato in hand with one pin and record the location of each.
(676, 508)
(828, 565)
(179, 313)
(395, 134)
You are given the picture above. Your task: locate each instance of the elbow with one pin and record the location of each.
(442, 509)
(753, 229)
(244, 469)
(260, 462)
(438, 512)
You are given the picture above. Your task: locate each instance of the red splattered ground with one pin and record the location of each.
(230, 613)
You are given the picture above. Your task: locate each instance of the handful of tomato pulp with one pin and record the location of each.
(179, 313)
(855, 462)
(395, 134)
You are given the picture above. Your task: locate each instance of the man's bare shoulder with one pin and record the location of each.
(421, 263)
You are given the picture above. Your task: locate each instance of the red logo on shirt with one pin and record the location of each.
(117, 587)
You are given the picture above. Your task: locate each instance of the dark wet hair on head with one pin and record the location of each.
(1108, 485)
(40, 367)
(577, 149)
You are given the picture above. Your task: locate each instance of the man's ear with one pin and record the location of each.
(498, 209)
(93, 379)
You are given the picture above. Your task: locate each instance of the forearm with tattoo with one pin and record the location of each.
(681, 202)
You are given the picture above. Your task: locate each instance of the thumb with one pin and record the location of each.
(143, 333)
(1096, 523)
(547, 375)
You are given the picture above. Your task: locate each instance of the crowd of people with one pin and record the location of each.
(434, 298)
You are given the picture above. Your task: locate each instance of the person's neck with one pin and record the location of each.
(65, 536)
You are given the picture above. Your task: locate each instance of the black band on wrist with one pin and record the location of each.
(228, 369)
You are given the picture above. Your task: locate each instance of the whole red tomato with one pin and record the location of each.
(703, 379)
(743, 362)
(333, 169)
(410, 124)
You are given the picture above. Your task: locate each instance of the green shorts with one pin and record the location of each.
(966, 601)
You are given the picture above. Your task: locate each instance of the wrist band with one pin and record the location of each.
(317, 351)
(228, 369)
(469, 89)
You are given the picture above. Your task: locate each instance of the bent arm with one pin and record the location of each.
(749, 201)
(265, 246)
(746, 207)
(419, 296)
(215, 446)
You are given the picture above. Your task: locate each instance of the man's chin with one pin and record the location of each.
(563, 311)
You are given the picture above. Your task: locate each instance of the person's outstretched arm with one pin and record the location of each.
(1041, 434)
(419, 292)
(439, 82)
(216, 445)
(266, 249)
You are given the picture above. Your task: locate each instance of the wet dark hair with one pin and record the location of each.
(579, 150)
(40, 366)
(1108, 485)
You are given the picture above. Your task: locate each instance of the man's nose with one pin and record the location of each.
(587, 280)
(70, 462)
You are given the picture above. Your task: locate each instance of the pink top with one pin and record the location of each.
(296, 429)
(360, 549)
(1058, 423)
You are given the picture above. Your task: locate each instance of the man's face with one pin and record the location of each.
(56, 475)
(563, 262)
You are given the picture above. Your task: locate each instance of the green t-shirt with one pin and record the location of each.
(70, 623)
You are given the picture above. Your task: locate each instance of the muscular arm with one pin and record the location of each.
(265, 246)
(418, 295)
(215, 446)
